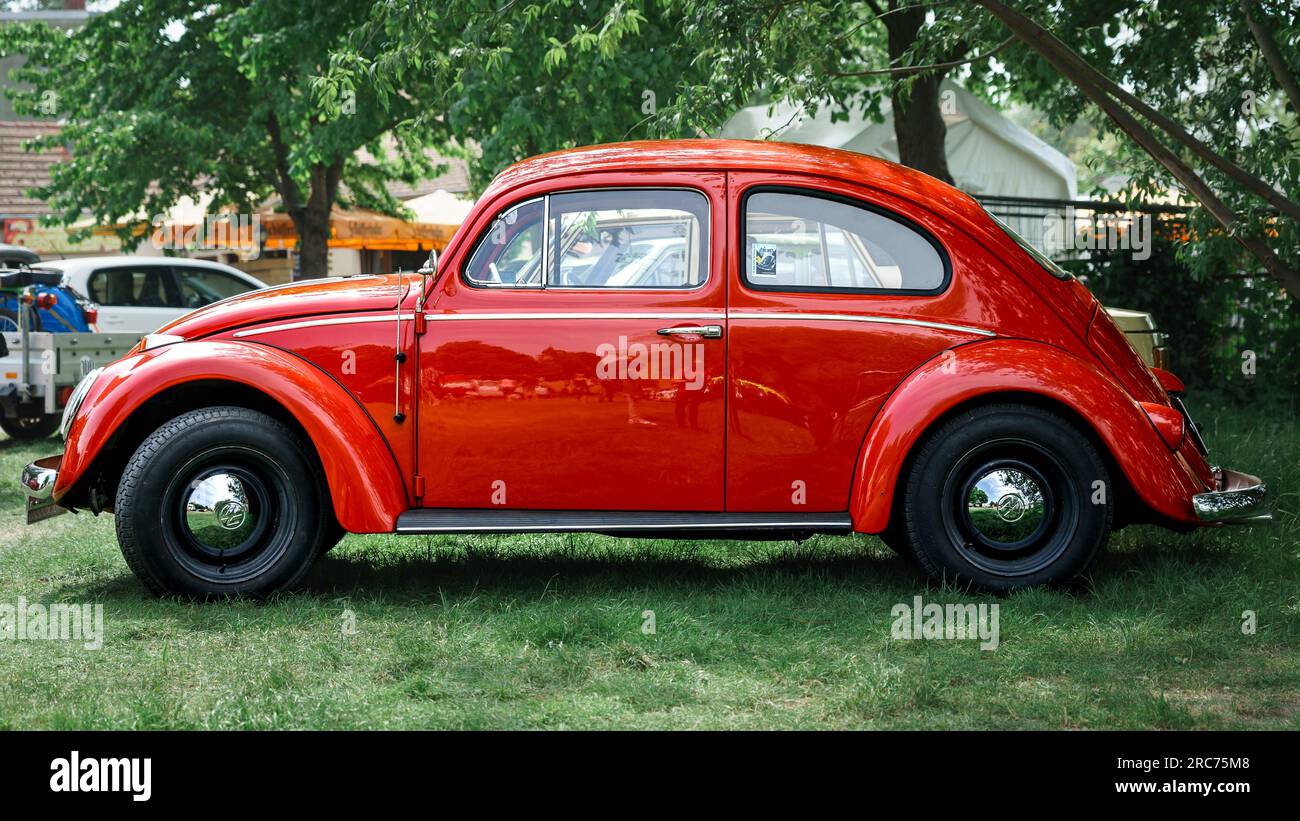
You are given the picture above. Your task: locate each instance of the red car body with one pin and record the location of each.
(428, 393)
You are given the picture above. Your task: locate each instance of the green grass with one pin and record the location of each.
(545, 631)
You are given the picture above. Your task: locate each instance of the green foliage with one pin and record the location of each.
(1198, 64)
(524, 79)
(1212, 327)
(165, 99)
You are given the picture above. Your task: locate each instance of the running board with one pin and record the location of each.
(476, 520)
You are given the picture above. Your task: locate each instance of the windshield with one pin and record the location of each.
(1039, 257)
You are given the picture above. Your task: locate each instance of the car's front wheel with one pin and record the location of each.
(1006, 496)
(222, 501)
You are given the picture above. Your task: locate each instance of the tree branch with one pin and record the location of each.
(1074, 67)
(1276, 62)
(907, 71)
(1066, 61)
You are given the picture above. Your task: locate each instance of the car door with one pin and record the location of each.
(135, 298)
(833, 302)
(575, 354)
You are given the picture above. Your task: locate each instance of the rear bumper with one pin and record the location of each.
(39, 477)
(1238, 498)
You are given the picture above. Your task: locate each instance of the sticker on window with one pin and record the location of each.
(765, 260)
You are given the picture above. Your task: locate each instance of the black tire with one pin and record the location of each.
(333, 534)
(1048, 523)
(30, 428)
(894, 538)
(221, 502)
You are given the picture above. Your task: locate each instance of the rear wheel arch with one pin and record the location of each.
(1128, 505)
(874, 499)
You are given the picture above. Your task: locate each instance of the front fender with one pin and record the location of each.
(364, 482)
(980, 370)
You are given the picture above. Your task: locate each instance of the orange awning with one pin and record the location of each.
(361, 229)
(356, 229)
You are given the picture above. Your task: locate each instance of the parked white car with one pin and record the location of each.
(138, 295)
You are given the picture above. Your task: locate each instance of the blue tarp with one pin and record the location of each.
(66, 309)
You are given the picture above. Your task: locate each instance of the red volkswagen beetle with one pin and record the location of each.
(698, 338)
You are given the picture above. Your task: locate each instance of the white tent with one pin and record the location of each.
(440, 208)
(987, 154)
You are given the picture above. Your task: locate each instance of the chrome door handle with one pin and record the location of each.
(706, 331)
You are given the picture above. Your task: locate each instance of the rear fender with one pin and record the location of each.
(983, 370)
(365, 485)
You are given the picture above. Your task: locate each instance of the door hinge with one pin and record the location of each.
(419, 486)
(421, 324)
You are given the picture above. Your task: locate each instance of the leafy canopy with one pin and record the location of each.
(165, 99)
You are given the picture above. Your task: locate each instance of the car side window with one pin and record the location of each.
(624, 238)
(629, 238)
(816, 243)
(141, 286)
(510, 252)
(204, 286)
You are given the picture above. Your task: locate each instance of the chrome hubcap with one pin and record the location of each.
(1005, 506)
(231, 514)
(1010, 507)
(219, 512)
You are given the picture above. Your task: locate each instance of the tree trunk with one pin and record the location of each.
(312, 221)
(918, 119)
(313, 243)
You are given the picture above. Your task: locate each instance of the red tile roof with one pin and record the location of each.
(22, 170)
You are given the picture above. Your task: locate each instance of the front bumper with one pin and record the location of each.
(1238, 498)
(39, 477)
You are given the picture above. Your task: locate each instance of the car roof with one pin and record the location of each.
(70, 264)
(18, 252)
(746, 155)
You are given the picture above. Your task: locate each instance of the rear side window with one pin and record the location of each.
(144, 286)
(804, 242)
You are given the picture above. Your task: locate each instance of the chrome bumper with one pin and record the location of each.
(1239, 499)
(38, 478)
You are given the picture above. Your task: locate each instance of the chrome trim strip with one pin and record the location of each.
(572, 315)
(311, 323)
(606, 527)
(880, 320)
(546, 241)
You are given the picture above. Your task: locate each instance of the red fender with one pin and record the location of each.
(363, 478)
(1162, 478)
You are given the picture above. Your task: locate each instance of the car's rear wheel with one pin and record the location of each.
(1006, 496)
(223, 501)
(30, 427)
